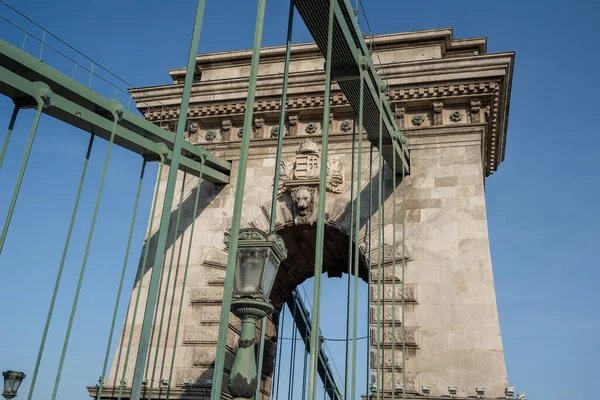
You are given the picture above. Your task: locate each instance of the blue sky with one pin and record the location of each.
(542, 203)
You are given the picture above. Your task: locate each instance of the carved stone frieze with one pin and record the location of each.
(389, 335)
(387, 295)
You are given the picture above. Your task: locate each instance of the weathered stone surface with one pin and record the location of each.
(455, 119)
(387, 293)
(206, 295)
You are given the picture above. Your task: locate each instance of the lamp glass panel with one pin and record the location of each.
(269, 278)
(17, 384)
(9, 380)
(249, 271)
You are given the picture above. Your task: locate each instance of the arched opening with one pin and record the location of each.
(289, 375)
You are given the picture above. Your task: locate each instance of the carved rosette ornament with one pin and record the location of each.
(438, 119)
(210, 135)
(241, 133)
(301, 180)
(346, 125)
(418, 120)
(456, 116)
(274, 131)
(311, 128)
(193, 127)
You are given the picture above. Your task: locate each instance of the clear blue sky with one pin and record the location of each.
(542, 203)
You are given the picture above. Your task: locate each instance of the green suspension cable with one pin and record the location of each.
(280, 353)
(394, 278)
(318, 269)
(357, 230)
(237, 207)
(164, 303)
(350, 237)
(304, 370)
(288, 47)
(403, 211)
(379, 362)
(119, 290)
(185, 272)
(369, 369)
(9, 131)
(161, 243)
(60, 269)
(13, 200)
(141, 276)
(116, 116)
(293, 355)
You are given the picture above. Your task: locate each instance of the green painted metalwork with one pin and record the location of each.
(357, 230)
(318, 267)
(141, 276)
(304, 325)
(117, 111)
(43, 95)
(237, 207)
(281, 134)
(166, 293)
(350, 258)
(121, 281)
(60, 270)
(379, 360)
(9, 131)
(345, 61)
(394, 282)
(166, 210)
(286, 70)
(76, 105)
(260, 355)
(184, 281)
(403, 212)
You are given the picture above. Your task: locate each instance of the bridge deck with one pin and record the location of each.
(348, 46)
(77, 105)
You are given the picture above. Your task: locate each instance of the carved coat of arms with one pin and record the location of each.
(301, 179)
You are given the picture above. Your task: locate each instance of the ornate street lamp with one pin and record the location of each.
(258, 257)
(12, 381)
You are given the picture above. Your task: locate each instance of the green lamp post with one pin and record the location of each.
(12, 381)
(258, 257)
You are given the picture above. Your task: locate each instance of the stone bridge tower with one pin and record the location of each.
(452, 100)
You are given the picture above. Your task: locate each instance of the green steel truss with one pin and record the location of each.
(77, 105)
(349, 48)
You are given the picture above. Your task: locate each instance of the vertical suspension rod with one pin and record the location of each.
(117, 112)
(166, 209)
(357, 229)
(17, 188)
(122, 279)
(314, 334)
(350, 238)
(11, 125)
(141, 277)
(185, 274)
(60, 269)
(164, 303)
(237, 207)
(379, 362)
